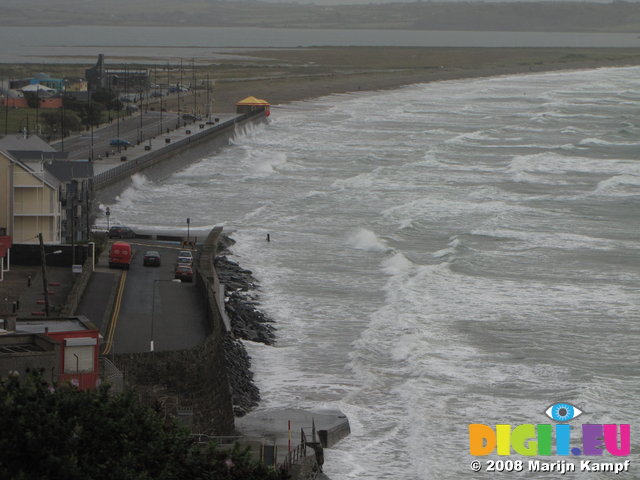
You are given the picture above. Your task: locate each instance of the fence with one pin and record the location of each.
(112, 375)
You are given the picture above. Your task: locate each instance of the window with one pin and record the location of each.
(78, 359)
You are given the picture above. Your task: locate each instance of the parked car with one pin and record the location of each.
(184, 273)
(185, 253)
(115, 142)
(189, 117)
(184, 261)
(119, 231)
(151, 258)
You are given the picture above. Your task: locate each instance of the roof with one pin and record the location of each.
(70, 169)
(19, 142)
(253, 101)
(52, 325)
(30, 167)
(37, 88)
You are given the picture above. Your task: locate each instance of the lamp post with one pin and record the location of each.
(107, 213)
(188, 222)
(43, 259)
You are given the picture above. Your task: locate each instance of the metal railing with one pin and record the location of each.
(112, 375)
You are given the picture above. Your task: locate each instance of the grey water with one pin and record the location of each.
(80, 44)
(442, 254)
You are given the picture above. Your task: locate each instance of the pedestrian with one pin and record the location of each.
(268, 238)
(29, 280)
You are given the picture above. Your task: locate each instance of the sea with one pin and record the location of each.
(206, 45)
(444, 254)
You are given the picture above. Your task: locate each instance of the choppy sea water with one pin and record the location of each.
(443, 254)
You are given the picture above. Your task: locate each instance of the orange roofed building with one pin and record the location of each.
(253, 104)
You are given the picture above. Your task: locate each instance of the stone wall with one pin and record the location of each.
(196, 379)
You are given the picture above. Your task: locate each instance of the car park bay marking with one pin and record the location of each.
(114, 316)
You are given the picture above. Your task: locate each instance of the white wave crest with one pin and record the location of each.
(451, 248)
(266, 163)
(397, 264)
(127, 198)
(364, 239)
(620, 185)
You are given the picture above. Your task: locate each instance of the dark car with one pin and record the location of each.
(184, 273)
(121, 232)
(151, 258)
(119, 142)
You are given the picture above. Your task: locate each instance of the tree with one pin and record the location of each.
(92, 113)
(32, 99)
(107, 98)
(53, 121)
(64, 433)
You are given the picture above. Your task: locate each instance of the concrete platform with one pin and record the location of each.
(331, 426)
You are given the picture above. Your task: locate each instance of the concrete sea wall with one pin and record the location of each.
(162, 162)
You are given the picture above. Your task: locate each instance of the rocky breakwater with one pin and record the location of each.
(247, 323)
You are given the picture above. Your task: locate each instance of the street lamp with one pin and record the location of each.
(107, 213)
(188, 222)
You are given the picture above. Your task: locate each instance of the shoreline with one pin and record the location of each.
(285, 75)
(340, 70)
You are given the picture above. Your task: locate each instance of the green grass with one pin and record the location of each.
(15, 120)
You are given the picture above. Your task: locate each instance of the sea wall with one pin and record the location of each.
(191, 383)
(160, 163)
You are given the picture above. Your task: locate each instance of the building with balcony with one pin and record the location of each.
(29, 201)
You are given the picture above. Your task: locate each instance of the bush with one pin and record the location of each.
(65, 433)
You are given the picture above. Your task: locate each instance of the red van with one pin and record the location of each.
(120, 255)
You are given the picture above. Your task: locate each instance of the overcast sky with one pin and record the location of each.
(351, 2)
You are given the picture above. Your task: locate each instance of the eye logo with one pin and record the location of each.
(562, 412)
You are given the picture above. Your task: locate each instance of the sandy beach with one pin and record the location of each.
(286, 75)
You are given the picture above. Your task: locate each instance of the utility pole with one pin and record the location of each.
(64, 96)
(43, 259)
(73, 229)
(193, 83)
(6, 111)
(179, 88)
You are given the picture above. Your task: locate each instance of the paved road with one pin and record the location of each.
(153, 306)
(131, 128)
(173, 315)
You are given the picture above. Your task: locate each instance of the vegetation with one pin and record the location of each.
(63, 433)
(49, 123)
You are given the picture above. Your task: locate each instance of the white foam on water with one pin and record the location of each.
(364, 239)
(619, 185)
(454, 271)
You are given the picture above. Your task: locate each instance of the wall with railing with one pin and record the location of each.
(128, 168)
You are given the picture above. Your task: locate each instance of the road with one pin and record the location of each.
(154, 310)
(134, 129)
